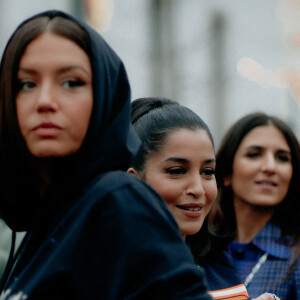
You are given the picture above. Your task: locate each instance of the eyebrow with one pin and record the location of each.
(178, 159)
(185, 161)
(261, 148)
(61, 70)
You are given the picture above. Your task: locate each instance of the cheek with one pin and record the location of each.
(81, 110)
(211, 192)
(167, 189)
(241, 169)
(82, 113)
(155, 183)
(168, 194)
(241, 173)
(287, 176)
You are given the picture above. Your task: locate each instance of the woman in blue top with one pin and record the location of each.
(258, 207)
(93, 231)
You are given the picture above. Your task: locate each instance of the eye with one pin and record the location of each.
(176, 171)
(283, 157)
(253, 154)
(73, 83)
(208, 172)
(26, 85)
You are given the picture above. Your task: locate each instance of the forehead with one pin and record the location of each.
(265, 136)
(187, 142)
(56, 48)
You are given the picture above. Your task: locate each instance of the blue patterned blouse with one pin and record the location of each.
(274, 275)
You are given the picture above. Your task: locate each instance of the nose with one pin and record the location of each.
(195, 188)
(269, 163)
(46, 100)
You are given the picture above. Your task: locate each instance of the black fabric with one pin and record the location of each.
(119, 241)
(221, 273)
(99, 234)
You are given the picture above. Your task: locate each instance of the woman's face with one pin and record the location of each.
(262, 168)
(183, 173)
(55, 99)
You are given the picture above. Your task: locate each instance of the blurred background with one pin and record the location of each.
(222, 59)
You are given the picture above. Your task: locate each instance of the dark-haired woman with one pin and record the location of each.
(94, 232)
(177, 159)
(258, 175)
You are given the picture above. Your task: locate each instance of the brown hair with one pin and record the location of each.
(18, 166)
(223, 215)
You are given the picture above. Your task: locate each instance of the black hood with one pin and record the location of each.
(110, 143)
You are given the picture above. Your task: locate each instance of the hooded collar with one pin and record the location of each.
(110, 143)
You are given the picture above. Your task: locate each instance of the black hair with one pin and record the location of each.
(154, 119)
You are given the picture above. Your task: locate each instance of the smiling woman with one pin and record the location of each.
(184, 176)
(263, 168)
(177, 159)
(258, 175)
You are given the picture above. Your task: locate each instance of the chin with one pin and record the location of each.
(43, 150)
(44, 153)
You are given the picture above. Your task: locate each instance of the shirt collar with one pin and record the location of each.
(269, 240)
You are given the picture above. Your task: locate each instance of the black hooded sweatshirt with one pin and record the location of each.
(98, 232)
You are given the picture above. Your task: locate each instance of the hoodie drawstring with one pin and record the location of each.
(12, 259)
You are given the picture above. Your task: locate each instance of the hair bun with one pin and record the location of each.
(142, 106)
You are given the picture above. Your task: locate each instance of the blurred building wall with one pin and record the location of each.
(220, 58)
(12, 12)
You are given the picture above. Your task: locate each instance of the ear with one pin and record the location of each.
(227, 181)
(133, 172)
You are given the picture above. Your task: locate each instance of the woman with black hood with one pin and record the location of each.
(93, 231)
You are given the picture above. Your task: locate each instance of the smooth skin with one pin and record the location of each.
(262, 171)
(55, 92)
(183, 173)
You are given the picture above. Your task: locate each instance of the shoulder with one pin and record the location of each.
(221, 259)
(116, 182)
(116, 179)
(123, 194)
(221, 273)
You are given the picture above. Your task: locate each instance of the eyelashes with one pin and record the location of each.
(27, 85)
(209, 172)
(278, 156)
(177, 171)
(73, 83)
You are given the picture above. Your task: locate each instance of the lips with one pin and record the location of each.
(266, 183)
(191, 210)
(47, 130)
(46, 125)
(191, 207)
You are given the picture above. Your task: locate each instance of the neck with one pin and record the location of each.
(250, 220)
